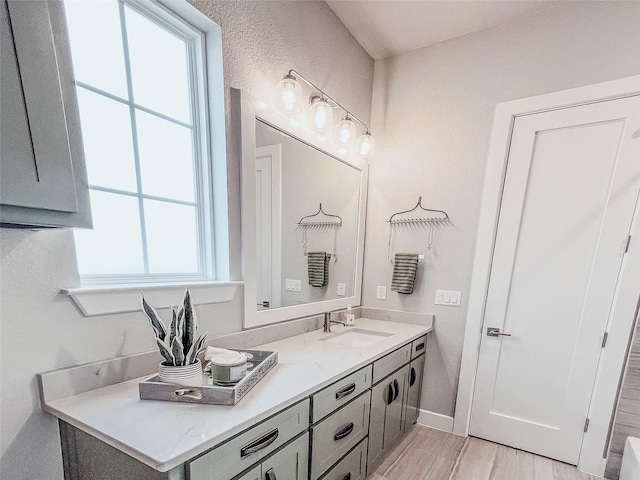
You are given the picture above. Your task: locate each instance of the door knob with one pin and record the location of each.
(495, 332)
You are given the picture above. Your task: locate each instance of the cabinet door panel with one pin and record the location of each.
(394, 425)
(414, 387)
(291, 463)
(351, 467)
(380, 394)
(254, 474)
(48, 161)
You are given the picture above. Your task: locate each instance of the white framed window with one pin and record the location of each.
(147, 126)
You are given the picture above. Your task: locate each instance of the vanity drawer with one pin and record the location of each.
(338, 433)
(351, 467)
(251, 446)
(341, 392)
(391, 362)
(418, 347)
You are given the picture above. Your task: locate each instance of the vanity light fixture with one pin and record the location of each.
(321, 107)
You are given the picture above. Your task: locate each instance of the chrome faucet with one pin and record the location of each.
(328, 322)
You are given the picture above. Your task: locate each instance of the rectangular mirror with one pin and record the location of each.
(303, 215)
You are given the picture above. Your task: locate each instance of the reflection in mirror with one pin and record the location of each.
(289, 173)
(295, 180)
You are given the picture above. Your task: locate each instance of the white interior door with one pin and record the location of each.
(570, 191)
(268, 228)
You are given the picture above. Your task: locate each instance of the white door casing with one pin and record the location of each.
(621, 317)
(269, 224)
(570, 190)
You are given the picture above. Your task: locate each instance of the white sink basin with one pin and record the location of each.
(356, 337)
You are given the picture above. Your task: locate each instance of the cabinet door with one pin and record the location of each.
(290, 463)
(254, 474)
(414, 388)
(42, 173)
(394, 415)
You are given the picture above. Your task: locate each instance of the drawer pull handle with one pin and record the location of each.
(396, 385)
(188, 393)
(347, 476)
(412, 380)
(390, 393)
(419, 347)
(257, 445)
(346, 391)
(344, 432)
(270, 475)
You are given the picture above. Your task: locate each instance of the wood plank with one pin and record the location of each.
(476, 460)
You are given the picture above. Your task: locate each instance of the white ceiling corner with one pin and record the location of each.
(390, 27)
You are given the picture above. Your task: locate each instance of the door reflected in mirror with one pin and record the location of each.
(307, 206)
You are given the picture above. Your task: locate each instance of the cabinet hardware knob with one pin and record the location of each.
(343, 392)
(260, 443)
(344, 432)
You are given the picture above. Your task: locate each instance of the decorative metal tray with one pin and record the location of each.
(153, 389)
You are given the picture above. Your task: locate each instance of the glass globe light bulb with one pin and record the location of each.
(288, 92)
(321, 114)
(345, 132)
(365, 145)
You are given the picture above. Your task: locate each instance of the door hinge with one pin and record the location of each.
(586, 425)
(604, 339)
(627, 242)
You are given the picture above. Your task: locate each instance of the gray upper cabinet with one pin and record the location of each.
(43, 179)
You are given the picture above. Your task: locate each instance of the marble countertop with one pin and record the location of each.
(165, 434)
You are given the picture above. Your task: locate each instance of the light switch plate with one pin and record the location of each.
(381, 292)
(292, 285)
(451, 298)
(341, 290)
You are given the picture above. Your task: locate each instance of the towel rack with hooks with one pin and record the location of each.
(305, 224)
(320, 211)
(424, 215)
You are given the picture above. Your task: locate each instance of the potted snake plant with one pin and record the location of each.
(179, 344)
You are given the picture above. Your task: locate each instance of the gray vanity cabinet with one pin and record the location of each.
(43, 180)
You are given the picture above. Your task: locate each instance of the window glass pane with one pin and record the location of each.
(108, 148)
(166, 158)
(96, 44)
(159, 68)
(114, 245)
(171, 237)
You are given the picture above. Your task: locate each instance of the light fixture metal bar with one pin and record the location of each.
(349, 114)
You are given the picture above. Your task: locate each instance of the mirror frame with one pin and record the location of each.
(252, 109)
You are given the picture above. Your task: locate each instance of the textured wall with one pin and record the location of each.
(41, 330)
(432, 114)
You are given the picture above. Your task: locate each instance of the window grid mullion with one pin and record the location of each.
(134, 134)
(145, 196)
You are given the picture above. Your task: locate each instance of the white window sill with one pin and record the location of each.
(110, 299)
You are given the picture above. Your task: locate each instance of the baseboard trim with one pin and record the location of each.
(435, 420)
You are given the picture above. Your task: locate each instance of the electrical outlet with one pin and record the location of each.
(381, 292)
(292, 285)
(450, 298)
(342, 289)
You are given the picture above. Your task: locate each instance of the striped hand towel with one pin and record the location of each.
(318, 265)
(405, 266)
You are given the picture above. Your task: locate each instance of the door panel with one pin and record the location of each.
(290, 463)
(570, 190)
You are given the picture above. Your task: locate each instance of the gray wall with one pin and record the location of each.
(41, 330)
(432, 114)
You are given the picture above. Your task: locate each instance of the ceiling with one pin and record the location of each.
(390, 27)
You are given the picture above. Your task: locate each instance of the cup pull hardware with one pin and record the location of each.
(188, 393)
(270, 475)
(260, 443)
(412, 377)
(344, 432)
(390, 393)
(347, 476)
(346, 391)
(419, 347)
(495, 332)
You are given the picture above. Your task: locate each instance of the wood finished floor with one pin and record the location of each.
(427, 454)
